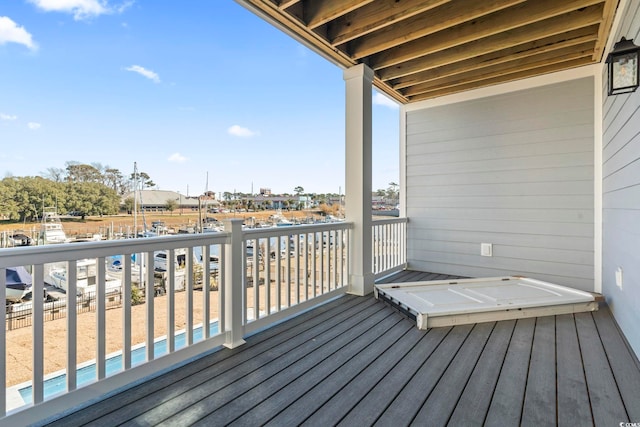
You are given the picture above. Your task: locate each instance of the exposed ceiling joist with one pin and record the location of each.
(420, 49)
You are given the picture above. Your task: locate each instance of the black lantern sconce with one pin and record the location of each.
(623, 67)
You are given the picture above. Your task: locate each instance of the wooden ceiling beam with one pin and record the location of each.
(502, 79)
(421, 49)
(557, 25)
(375, 16)
(547, 44)
(290, 24)
(532, 62)
(605, 27)
(282, 5)
(500, 22)
(318, 12)
(433, 21)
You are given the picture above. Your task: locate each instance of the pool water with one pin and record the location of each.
(87, 374)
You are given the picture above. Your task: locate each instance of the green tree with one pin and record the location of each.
(171, 205)
(114, 179)
(30, 195)
(392, 191)
(298, 190)
(92, 198)
(78, 172)
(8, 205)
(144, 180)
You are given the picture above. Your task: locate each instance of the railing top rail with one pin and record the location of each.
(295, 229)
(390, 221)
(11, 257)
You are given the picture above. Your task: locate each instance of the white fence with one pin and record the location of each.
(389, 246)
(215, 288)
(221, 287)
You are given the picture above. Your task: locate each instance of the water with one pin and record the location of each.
(87, 374)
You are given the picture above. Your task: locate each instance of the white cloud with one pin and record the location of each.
(380, 99)
(82, 9)
(237, 130)
(7, 117)
(144, 72)
(177, 158)
(10, 32)
(34, 125)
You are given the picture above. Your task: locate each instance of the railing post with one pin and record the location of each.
(234, 295)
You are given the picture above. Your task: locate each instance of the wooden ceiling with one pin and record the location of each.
(422, 49)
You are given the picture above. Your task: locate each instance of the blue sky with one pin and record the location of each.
(184, 88)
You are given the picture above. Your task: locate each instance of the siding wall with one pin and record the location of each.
(621, 194)
(515, 170)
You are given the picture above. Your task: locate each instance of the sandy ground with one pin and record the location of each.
(19, 341)
(120, 223)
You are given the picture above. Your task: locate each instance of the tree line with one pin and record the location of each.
(79, 188)
(98, 173)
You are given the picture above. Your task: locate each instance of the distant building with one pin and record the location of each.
(156, 200)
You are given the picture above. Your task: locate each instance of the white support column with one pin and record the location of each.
(233, 294)
(358, 176)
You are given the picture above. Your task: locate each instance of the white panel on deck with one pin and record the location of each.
(439, 303)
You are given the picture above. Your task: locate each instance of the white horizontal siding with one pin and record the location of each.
(621, 194)
(515, 170)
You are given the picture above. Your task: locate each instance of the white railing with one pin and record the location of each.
(252, 278)
(300, 264)
(389, 238)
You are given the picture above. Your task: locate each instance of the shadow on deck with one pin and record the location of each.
(356, 361)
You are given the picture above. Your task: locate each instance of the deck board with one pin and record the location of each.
(293, 382)
(409, 401)
(297, 401)
(367, 411)
(312, 400)
(603, 391)
(357, 361)
(257, 378)
(573, 400)
(444, 397)
(344, 399)
(625, 368)
(539, 407)
(472, 406)
(508, 398)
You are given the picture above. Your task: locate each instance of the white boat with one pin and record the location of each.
(51, 231)
(160, 259)
(279, 220)
(115, 268)
(87, 278)
(18, 284)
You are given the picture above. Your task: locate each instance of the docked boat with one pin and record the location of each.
(87, 278)
(160, 259)
(19, 283)
(115, 267)
(51, 230)
(279, 220)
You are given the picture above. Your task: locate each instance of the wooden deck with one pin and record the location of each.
(356, 361)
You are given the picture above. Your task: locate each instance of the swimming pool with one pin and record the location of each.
(87, 373)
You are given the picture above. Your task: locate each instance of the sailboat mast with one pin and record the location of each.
(135, 199)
